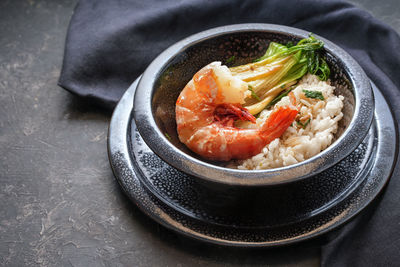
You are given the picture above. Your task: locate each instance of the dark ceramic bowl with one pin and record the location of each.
(166, 76)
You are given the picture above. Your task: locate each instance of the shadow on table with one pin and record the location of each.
(85, 109)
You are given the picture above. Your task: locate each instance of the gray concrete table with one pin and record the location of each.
(60, 204)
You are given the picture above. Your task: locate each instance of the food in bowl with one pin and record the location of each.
(320, 111)
(215, 112)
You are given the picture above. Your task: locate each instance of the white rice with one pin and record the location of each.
(298, 144)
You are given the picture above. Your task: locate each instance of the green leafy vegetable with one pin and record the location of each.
(231, 59)
(167, 135)
(253, 94)
(280, 66)
(278, 98)
(323, 70)
(304, 125)
(314, 94)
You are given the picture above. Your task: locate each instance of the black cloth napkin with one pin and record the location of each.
(110, 43)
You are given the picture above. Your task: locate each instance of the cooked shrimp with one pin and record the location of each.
(207, 108)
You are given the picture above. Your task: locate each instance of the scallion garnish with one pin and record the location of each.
(314, 94)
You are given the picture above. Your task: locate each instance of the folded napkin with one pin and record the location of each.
(110, 43)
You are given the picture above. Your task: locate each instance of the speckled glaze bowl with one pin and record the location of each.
(166, 76)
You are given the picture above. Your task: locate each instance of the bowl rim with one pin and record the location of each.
(340, 148)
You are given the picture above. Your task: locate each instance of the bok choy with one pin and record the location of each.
(279, 68)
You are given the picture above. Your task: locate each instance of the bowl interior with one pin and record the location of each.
(231, 49)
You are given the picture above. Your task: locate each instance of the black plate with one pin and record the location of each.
(173, 199)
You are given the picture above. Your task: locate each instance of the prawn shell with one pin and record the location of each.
(212, 140)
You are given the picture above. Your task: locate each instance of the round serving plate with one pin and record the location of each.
(176, 201)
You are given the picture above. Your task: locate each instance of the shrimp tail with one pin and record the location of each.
(278, 121)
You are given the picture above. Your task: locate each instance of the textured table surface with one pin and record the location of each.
(60, 204)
